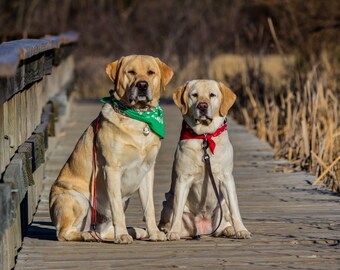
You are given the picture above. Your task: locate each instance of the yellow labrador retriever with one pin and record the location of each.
(191, 207)
(126, 154)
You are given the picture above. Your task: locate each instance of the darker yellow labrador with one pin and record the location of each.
(126, 154)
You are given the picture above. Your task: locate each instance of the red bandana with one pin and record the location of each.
(187, 133)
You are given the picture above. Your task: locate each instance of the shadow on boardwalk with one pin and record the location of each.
(294, 226)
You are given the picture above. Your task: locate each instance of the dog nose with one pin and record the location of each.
(202, 106)
(142, 85)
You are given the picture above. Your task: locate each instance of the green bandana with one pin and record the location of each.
(153, 118)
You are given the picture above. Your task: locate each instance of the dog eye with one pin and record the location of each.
(195, 95)
(150, 72)
(132, 72)
(212, 95)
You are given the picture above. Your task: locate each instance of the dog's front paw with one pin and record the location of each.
(123, 239)
(244, 234)
(157, 236)
(229, 231)
(173, 236)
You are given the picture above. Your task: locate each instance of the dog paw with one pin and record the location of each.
(157, 236)
(229, 231)
(138, 233)
(173, 236)
(141, 233)
(244, 234)
(123, 239)
(164, 227)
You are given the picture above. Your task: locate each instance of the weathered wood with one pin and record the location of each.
(294, 225)
(23, 62)
(38, 146)
(5, 203)
(25, 126)
(13, 51)
(27, 149)
(15, 176)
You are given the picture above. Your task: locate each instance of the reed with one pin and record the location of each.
(299, 118)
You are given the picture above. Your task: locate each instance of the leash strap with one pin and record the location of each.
(94, 176)
(94, 183)
(206, 159)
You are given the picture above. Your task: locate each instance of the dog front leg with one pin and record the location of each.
(182, 187)
(229, 192)
(121, 235)
(146, 197)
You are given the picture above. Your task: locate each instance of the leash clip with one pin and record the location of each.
(205, 146)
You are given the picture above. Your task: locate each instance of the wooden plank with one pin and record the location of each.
(14, 175)
(5, 151)
(69, 37)
(5, 203)
(23, 62)
(27, 149)
(38, 146)
(293, 224)
(12, 52)
(3, 161)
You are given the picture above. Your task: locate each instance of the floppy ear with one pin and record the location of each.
(112, 69)
(166, 72)
(228, 99)
(180, 98)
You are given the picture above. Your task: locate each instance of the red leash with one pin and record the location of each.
(94, 180)
(94, 176)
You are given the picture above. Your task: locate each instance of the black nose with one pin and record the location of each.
(142, 86)
(202, 106)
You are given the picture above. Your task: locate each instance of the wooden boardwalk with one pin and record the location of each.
(294, 225)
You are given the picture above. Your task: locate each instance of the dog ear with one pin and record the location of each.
(228, 99)
(180, 98)
(112, 69)
(166, 72)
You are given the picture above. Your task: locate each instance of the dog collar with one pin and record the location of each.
(187, 133)
(153, 118)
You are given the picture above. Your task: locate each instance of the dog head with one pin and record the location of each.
(204, 103)
(139, 80)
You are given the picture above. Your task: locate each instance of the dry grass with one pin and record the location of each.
(297, 113)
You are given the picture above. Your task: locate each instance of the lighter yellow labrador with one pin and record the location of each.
(191, 207)
(126, 159)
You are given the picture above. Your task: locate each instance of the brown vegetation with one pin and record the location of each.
(299, 118)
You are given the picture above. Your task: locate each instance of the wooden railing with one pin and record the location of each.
(36, 76)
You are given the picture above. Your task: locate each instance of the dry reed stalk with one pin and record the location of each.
(261, 125)
(288, 128)
(304, 130)
(316, 101)
(252, 100)
(322, 163)
(273, 33)
(246, 118)
(290, 154)
(330, 126)
(326, 171)
(275, 128)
